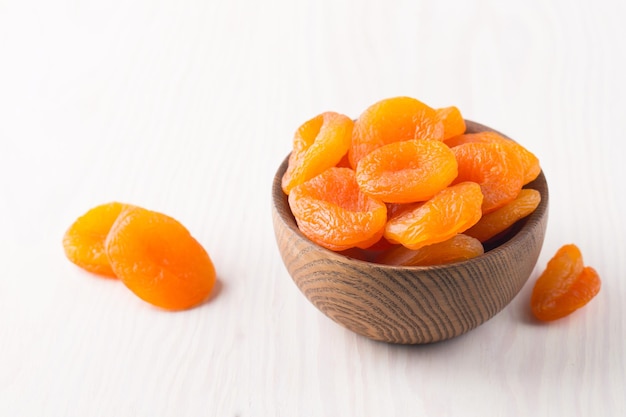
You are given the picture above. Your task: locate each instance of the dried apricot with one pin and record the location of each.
(320, 143)
(157, 259)
(393, 120)
(565, 285)
(83, 242)
(333, 212)
(496, 167)
(458, 248)
(496, 222)
(407, 171)
(421, 164)
(453, 210)
(532, 168)
(453, 122)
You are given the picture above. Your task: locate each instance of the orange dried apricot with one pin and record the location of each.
(453, 210)
(458, 248)
(318, 144)
(564, 286)
(496, 222)
(532, 168)
(435, 180)
(157, 259)
(83, 242)
(393, 120)
(496, 167)
(453, 122)
(333, 212)
(407, 171)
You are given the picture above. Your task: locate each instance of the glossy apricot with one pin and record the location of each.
(497, 168)
(83, 242)
(496, 222)
(453, 210)
(530, 162)
(407, 171)
(332, 211)
(393, 120)
(564, 286)
(458, 248)
(156, 257)
(318, 144)
(452, 120)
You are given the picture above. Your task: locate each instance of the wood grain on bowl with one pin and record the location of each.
(410, 305)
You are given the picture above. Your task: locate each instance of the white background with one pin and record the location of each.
(188, 108)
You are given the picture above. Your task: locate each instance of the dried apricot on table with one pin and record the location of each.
(407, 171)
(333, 212)
(83, 242)
(157, 259)
(564, 286)
(453, 122)
(496, 222)
(496, 167)
(530, 162)
(393, 120)
(458, 248)
(318, 144)
(453, 210)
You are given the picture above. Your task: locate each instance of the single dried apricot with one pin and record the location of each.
(564, 286)
(408, 171)
(496, 222)
(333, 212)
(532, 168)
(320, 143)
(453, 122)
(393, 120)
(458, 248)
(157, 259)
(453, 210)
(83, 242)
(496, 167)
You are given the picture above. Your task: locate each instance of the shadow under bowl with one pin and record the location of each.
(410, 305)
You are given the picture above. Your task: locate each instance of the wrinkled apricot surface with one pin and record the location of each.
(157, 259)
(530, 162)
(333, 212)
(318, 144)
(83, 242)
(458, 248)
(495, 167)
(452, 120)
(564, 286)
(393, 120)
(496, 222)
(407, 171)
(453, 210)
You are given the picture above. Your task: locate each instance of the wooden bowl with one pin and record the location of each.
(410, 305)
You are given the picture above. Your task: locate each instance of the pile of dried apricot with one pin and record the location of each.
(404, 184)
(151, 253)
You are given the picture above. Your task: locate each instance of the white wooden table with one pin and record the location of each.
(188, 107)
